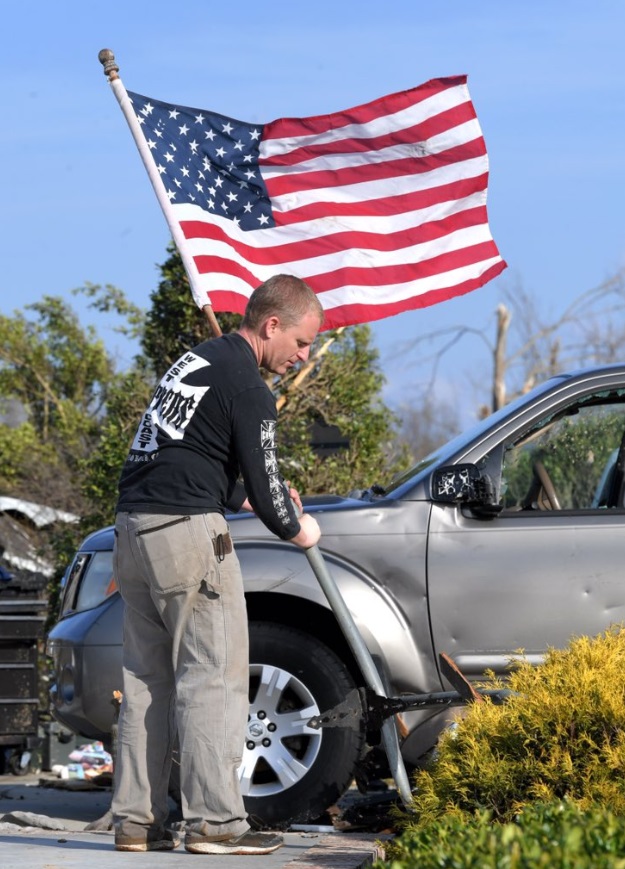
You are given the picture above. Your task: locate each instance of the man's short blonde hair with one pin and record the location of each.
(283, 296)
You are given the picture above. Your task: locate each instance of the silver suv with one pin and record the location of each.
(527, 553)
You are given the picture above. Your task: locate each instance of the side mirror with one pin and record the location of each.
(453, 484)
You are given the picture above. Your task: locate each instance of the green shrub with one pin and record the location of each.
(561, 736)
(544, 836)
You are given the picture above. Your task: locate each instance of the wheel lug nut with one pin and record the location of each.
(251, 745)
(261, 715)
(266, 742)
(271, 727)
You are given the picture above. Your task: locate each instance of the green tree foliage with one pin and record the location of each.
(23, 457)
(55, 380)
(560, 736)
(59, 373)
(173, 322)
(108, 299)
(342, 390)
(128, 398)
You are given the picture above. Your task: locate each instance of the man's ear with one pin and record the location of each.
(270, 326)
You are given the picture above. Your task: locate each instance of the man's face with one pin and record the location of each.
(288, 346)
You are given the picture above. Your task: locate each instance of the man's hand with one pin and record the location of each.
(309, 533)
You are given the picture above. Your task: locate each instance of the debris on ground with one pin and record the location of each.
(373, 812)
(29, 821)
(86, 762)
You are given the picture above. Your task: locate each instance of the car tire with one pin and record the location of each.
(291, 773)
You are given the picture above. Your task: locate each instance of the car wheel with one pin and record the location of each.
(291, 773)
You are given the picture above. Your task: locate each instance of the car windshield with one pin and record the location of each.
(89, 581)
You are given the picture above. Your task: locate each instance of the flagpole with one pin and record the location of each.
(111, 71)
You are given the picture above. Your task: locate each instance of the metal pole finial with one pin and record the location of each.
(107, 59)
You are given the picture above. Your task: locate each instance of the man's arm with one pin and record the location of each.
(309, 533)
(254, 428)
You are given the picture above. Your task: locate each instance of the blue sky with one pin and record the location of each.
(547, 80)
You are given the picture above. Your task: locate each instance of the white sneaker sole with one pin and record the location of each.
(224, 848)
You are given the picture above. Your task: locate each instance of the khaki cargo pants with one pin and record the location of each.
(186, 670)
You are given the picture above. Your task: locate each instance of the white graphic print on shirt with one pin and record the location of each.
(172, 407)
(268, 443)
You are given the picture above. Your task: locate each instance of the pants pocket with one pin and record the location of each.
(172, 558)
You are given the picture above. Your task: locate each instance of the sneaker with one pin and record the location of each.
(151, 840)
(249, 842)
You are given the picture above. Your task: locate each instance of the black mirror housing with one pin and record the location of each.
(453, 484)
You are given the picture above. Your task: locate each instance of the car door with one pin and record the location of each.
(551, 563)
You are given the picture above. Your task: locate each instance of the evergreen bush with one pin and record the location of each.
(560, 736)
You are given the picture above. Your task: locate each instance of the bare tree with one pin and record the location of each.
(528, 347)
(428, 425)
(499, 356)
(590, 330)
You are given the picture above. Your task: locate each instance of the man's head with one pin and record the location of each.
(281, 321)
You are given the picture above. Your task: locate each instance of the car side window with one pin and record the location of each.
(569, 460)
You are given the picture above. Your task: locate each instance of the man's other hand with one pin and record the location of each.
(309, 533)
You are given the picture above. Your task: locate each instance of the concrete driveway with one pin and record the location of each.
(43, 824)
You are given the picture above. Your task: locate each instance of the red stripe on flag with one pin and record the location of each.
(427, 129)
(346, 315)
(218, 264)
(226, 300)
(290, 127)
(281, 185)
(405, 272)
(339, 241)
(368, 276)
(399, 204)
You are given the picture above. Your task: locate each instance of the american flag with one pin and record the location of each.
(380, 208)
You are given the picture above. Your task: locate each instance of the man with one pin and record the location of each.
(211, 421)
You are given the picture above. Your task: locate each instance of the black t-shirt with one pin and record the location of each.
(212, 419)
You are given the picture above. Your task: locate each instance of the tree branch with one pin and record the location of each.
(306, 369)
